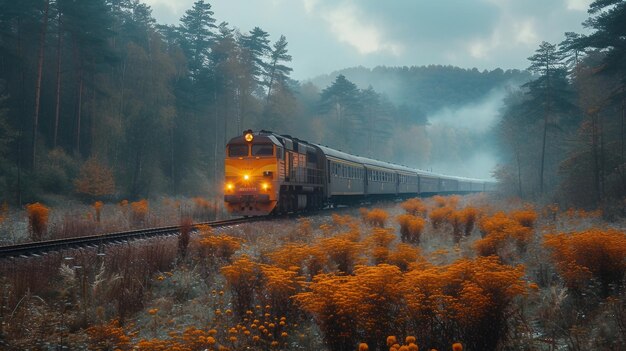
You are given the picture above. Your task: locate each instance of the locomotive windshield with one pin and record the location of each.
(262, 150)
(235, 150)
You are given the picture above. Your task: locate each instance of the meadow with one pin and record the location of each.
(443, 273)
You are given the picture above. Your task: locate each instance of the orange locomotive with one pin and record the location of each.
(266, 172)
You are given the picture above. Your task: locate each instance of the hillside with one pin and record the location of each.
(430, 88)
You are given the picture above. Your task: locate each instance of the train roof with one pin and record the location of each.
(275, 138)
(371, 162)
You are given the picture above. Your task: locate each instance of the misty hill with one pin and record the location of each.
(428, 88)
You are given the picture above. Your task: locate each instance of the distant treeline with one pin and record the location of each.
(426, 89)
(98, 100)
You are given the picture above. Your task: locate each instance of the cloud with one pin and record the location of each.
(578, 5)
(351, 26)
(327, 35)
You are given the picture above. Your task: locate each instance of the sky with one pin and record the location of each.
(328, 35)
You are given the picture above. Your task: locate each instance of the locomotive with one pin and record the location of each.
(270, 173)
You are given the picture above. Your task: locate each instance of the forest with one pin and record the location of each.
(80, 82)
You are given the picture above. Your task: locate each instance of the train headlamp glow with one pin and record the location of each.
(266, 186)
(248, 137)
(229, 186)
(246, 177)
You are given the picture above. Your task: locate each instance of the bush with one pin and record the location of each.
(37, 220)
(439, 215)
(375, 217)
(527, 218)
(594, 253)
(499, 230)
(414, 207)
(140, 211)
(95, 179)
(410, 228)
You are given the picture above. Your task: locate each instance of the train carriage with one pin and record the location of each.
(345, 173)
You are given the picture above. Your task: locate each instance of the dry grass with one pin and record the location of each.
(327, 282)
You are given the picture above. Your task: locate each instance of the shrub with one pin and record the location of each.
(184, 237)
(414, 207)
(97, 206)
(203, 208)
(376, 217)
(278, 286)
(343, 251)
(439, 215)
(404, 256)
(37, 220)
(346, 307)
(242, 277)
(527, 217)
(594, 253)
(221, 246)
(95, 179)
(140, 210)
(469, 217)
(4, 212)
(379, 241)
(499, 230)
(410, 228)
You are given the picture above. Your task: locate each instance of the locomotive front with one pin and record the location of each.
(251, 167)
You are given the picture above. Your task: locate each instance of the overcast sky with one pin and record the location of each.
(327, 35)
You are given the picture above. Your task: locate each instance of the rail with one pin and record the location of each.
(42, 247)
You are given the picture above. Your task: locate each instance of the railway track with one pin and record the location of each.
(43, 247)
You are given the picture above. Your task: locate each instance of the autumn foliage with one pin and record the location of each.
(357, 284)
(415, 207)
(376, 217)
(139, 210)
(37, 219)
(592, 254)
(500, 231)
(411, 227)
(95, 179)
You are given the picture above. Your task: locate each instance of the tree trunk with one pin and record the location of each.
(20, 135)
(519, 173)
(622, 166)
(58, 92)
(215, 183)
(594, 152)
(42, 46)
(543, 152)
(79, 110)
(545, 127)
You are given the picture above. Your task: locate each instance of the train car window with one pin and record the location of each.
(235, 150)
(311, 157)
(280, 153)
(262, 150)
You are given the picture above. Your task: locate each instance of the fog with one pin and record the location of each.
(462, 139)
(476, 117)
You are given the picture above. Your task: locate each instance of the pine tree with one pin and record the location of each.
(277, 72)
(257, 45)
(547, 92)
(197, 35)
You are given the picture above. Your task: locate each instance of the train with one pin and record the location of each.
(268, 173)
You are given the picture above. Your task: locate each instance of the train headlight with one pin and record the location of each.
(229, 186)
(246, 177)
(248, 137)
(265, 186)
